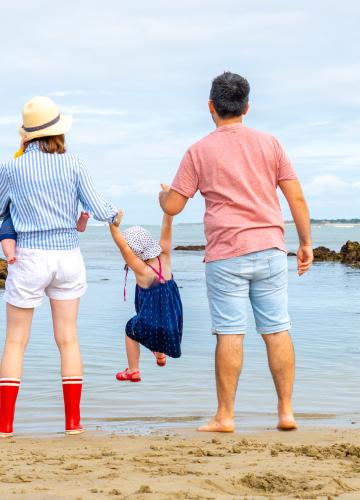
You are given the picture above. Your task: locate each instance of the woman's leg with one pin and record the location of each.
(17, 336)
(18, 328)
(64, 313)
(133, 354)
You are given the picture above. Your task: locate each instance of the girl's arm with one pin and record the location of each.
(166, 229)
(136, 264)
(166, 234)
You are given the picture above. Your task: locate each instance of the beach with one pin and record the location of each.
(312, 464)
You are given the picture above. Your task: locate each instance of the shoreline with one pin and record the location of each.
(307, 463)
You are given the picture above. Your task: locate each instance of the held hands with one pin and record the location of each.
(118, 220)
(165, 188)
(305, 258)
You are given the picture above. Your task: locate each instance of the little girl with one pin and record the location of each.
(158, 322)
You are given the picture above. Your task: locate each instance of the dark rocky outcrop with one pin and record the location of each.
(3, 272)
(190, 248)
(324, 254)
(349, 253)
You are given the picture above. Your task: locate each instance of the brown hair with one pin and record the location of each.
(51, 144)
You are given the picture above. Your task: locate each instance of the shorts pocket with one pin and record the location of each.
(278, 267)
(71, 269)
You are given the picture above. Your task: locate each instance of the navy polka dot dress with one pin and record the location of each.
(158, 322)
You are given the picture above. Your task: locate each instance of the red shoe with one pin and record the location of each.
(72, 395)
(161, 360)
(127, 376)
(9, 389)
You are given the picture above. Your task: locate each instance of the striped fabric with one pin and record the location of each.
(72, 380)
(9, 382)
(44, 191)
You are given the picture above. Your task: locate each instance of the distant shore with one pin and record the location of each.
(308, 464)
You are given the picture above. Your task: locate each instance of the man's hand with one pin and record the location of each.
(118, 220)
(165, 187)
(305, 258)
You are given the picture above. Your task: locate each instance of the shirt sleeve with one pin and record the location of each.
(285, 170)
(186, 181)
(4, 191)
(92, 201)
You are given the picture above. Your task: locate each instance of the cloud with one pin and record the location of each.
(78, 92)
(86, 110)
(331, 187)
(145, 187)
(10, 120)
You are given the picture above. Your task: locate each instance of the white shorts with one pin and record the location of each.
(59, 274)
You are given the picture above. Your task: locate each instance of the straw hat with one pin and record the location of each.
(142, 243)
(41, 118)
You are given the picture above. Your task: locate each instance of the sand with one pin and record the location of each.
(313, 464)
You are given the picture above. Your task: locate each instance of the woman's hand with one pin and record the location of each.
(118, 220)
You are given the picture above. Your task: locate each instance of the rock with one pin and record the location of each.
(291, 254)
(325, 254)
(190, 248)
(3, 272)
(350, 252)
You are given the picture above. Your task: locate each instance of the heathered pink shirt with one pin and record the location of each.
(237, 170)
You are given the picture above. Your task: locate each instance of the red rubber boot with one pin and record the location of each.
(72, 394)
(9, 389)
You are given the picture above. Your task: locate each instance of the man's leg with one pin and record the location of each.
(281, 358)
(228, 364)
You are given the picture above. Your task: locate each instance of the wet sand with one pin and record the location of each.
(312, 464)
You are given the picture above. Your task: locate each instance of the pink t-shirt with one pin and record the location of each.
(237, 170)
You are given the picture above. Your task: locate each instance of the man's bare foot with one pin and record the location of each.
(286, 420)
(11, 259)
(82, 222)
(218, 425)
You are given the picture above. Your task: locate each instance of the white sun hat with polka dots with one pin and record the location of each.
(142, 243)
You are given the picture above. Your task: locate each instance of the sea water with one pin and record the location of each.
(325, 310)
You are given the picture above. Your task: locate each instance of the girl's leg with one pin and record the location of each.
(17, 336)
(133, 354)
(8, 247)
(64, 313)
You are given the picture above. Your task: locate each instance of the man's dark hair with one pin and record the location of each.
(229, 94)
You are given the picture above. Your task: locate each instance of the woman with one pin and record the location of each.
(43, 188)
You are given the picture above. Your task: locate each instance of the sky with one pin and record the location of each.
(136, 78)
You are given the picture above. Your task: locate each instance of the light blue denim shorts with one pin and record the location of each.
(262, 278)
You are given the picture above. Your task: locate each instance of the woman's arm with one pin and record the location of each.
(136, 264)
(92, 201)
(4, 191)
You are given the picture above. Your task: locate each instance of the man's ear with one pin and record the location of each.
(247, 107)
(211, 107)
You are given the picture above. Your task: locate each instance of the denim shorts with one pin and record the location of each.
(261, 277)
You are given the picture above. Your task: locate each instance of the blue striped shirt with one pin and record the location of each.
(44, 191)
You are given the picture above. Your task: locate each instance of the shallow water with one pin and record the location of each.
(325, 310)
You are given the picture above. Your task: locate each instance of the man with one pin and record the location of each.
(237, 170)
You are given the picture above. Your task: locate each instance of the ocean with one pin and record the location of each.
(325, 311)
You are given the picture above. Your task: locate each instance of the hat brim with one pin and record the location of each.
(61, 127)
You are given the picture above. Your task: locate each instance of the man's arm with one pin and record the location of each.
(172, 202)
(300, 212)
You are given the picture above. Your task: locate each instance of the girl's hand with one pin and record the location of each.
(118, 220)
